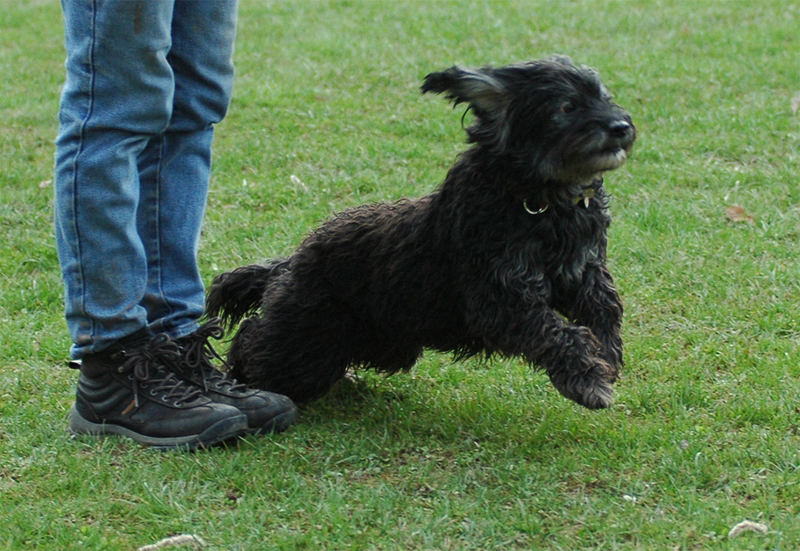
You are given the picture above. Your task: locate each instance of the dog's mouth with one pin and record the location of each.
(610, 159)
(588, 165)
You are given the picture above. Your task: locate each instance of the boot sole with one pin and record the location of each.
(279, 423)
(224, 429)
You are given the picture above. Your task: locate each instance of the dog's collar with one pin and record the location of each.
(584, 197)
(534, 212)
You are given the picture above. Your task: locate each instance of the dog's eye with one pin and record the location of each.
(567, 107)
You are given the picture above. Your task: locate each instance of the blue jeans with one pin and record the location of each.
(146, 81)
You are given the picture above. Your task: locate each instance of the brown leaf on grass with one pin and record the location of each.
(735, 213)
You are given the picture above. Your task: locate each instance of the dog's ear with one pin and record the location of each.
(562, 59)
(478, 87)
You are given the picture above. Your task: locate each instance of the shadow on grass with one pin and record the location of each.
(432, 411)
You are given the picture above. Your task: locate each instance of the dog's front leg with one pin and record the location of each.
(572, 356)
(597, 305)
(569, 353)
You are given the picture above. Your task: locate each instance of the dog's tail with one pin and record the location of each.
(236, 294)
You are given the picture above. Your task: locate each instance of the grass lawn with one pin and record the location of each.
(705, 432)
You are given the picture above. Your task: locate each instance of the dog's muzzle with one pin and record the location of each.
(620, 137)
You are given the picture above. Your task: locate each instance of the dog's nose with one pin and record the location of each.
(620, 129)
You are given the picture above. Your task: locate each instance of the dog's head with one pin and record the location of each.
(549, 117)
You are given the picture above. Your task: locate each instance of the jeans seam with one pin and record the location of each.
(157, 220)
(74, 183)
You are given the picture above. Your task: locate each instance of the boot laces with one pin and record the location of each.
(198, 355)
(148, 369)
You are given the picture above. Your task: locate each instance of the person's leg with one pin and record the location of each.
(174, 173)
(175, 169)
(117, 98)
(118, 94)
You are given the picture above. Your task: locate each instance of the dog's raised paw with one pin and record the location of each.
(590, 392)
(598, 396)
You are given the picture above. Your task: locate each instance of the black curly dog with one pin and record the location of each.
(508, 256)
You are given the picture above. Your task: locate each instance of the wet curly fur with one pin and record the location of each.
(507, 256)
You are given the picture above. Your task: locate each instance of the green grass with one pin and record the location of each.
(455, 455)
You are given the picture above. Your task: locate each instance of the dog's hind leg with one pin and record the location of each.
(284, 357)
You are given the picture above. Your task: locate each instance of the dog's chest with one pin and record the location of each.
(560, 247)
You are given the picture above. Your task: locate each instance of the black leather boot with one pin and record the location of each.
(128, 390)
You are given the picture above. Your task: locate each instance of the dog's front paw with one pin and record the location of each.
(597, 395)
(591, 389)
